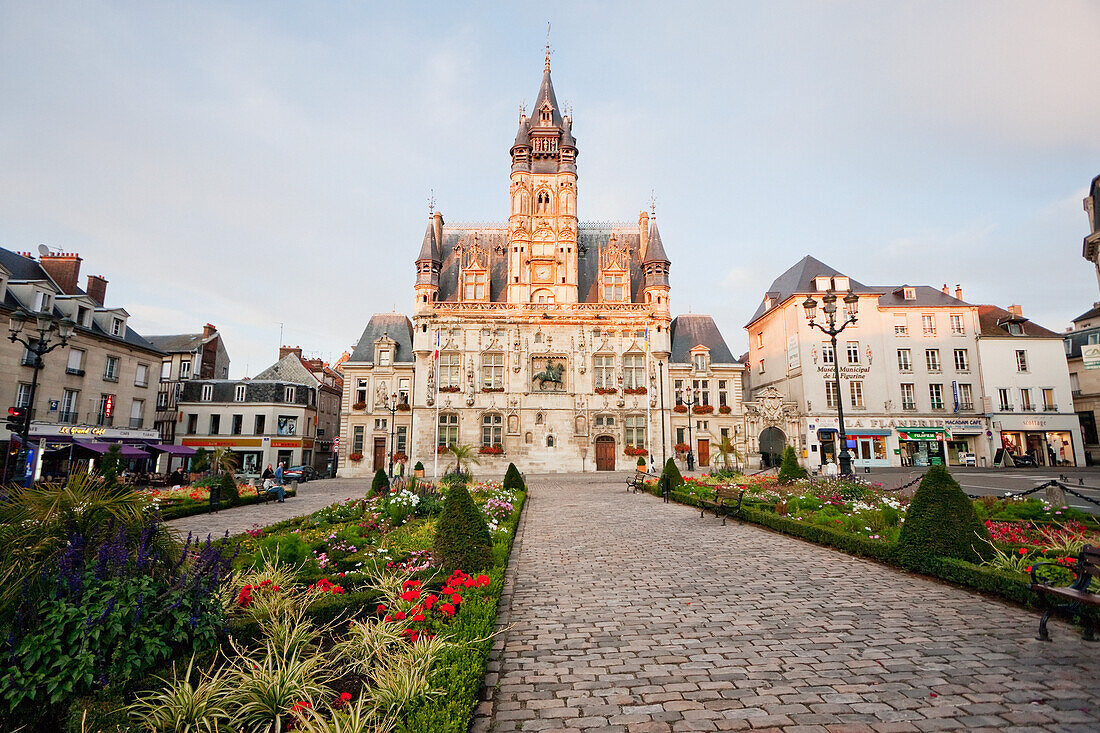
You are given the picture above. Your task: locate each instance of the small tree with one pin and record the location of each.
(462, 540)
(381, 482)
(110, 465)
(789, 470)
(512, 478)
(464, 456)
(727, 453)
(223, 460)
(419, 466)
(673, 473)
(940, 522)
(200, 461)
(229, 494)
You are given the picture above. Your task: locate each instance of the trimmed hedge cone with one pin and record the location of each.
(512, 479)
(381, 482)
(462, 540)
(789, 470)
(941, 522)
(673, 473)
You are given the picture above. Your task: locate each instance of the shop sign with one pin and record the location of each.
(228, 443)
(285, 443)
(846, 372)
(70, 430)
(794, 360)
(920, 434)
(965, 425)
(1090, 356)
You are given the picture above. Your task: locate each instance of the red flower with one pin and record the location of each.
(418, 617)
(380, 608)
(300, 706)
(482, 580)
(447, 609)
(345, 696)
(429, 601)
(456, 599)
(1022, 551)
(400, 615)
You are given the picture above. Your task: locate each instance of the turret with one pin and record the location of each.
(655, 266)
(428, 265)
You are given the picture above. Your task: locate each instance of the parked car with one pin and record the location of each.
(301, 474)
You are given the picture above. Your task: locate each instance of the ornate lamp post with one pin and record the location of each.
(391, 405)
(664, 441)
(690, 402)
(38, 343)
(851, 305)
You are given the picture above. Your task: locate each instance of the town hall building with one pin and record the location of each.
(542, 340)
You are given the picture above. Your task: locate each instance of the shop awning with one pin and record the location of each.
(127, 451)
(884, 431)
(174, 450)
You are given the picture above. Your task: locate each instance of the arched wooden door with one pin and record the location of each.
(772, 443)
(605, 453)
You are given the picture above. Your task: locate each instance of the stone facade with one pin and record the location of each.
(543, 340)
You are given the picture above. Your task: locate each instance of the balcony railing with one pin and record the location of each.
(1027, 408)
(1050, 408)
(104, 421)
(74, 372)
(136, 422)
(1007, 408)
(67, 418)
(27, 360)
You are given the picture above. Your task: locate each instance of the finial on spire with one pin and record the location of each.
(547, 68)
(652, 204)
(431, 201)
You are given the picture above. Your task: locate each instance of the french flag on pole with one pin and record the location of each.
(435, 356)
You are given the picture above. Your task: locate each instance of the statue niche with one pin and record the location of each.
(550, 379)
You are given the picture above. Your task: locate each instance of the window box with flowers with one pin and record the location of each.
(491, 450)
(441, 448)
(606, 390)
(634, 390)
(449, 389)
(400, 456)
(631, 450)
(359, 406)
(703, 409)
(355, 457)
(725, 409)
(403, 407)
(681, 447)
(492, 389)
(680, 408)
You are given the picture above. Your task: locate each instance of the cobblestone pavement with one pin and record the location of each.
(312, 495)
(628, 614)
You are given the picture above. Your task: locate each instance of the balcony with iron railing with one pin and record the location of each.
(136, 422)
(74, 372)
(1050, 408)
(68, 418)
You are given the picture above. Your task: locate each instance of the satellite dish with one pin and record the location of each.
(43, 250)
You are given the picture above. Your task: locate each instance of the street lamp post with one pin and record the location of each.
(851, 304)
(690, 402)
(39, 345)
(392, 407)
(664, 441)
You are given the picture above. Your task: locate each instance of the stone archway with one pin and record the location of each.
(772, 442)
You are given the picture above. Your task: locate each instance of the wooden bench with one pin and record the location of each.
(1070, 598)
(725, 499)
(637, 483)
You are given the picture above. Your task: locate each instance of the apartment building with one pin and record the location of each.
(187, 356)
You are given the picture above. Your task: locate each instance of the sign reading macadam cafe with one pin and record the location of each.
(948, 424)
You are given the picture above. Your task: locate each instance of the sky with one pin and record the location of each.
(266, 167)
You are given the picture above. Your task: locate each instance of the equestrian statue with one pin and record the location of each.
(550, 375)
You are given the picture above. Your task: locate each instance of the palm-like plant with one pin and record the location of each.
(727, 452)
(224, 460)
(36, 524)
(464, 455)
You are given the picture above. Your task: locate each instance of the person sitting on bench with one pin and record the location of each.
(273, 488)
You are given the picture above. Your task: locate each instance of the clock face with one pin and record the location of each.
(543, 272)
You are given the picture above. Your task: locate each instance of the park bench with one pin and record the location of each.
(726, 498)
(1070, 598)
(636, 483)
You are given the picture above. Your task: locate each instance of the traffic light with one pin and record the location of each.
(17, 419)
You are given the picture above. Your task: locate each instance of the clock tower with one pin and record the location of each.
(542, 223)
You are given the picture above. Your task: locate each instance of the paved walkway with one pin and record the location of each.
(628, 614)
(312, 495)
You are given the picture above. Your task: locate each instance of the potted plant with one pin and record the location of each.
(418, 470)
(400, 456)
(491, 450)
(403, 407)
(641, 465)
(634, 390)
(681, 447)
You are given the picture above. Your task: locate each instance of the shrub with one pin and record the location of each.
(110, 466)
(462, 539)
(790, 471)
(419, 466)
(941, 522)
(641, 462)
(290, 549)
(228, 486)
(675, 479)
(381, 482)
(512, 479)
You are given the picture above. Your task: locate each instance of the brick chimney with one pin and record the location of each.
(284, 350)
(64, 268)
(958, 292)
(945, 290)
(208, 330)
(1016, 310)
(97, 288)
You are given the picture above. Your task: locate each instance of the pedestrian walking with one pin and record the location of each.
(831, 470)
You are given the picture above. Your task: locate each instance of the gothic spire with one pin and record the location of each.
(429, 250)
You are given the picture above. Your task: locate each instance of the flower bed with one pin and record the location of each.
(492, 389)
(725, 409)
(369, 562)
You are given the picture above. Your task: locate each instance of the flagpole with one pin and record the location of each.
(435, 468)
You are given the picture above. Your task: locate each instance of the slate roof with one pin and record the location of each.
(1077, 339)
(655, 249)
(20, 267)
(179, 343)
(428, 249)
(800, 279)
(396, 326)
(893, 297)
(1091, 313)
(289, 369)
(994, 322)
(693, 329)
(591, 240)
(546, 92)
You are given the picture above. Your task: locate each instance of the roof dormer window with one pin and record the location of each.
(42, 302)
(822, 283)
(474, 284)
(615, 287)
(909, 293)
(546, 114)
(118, 326)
